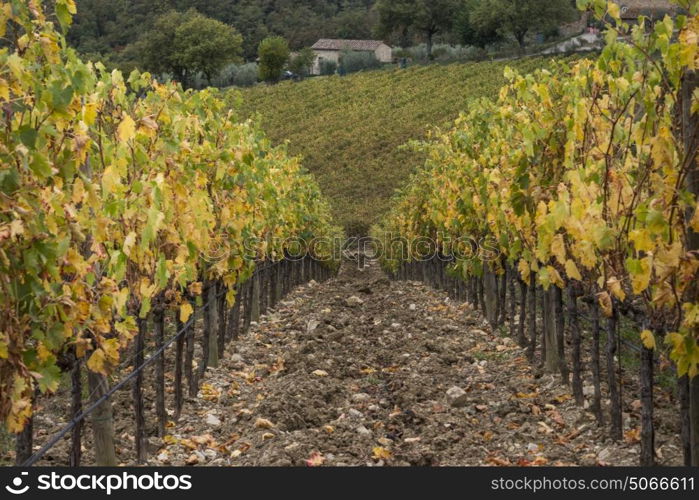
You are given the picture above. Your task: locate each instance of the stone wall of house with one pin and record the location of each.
(324, 55)
(384, 54)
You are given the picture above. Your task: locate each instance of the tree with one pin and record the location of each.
(301, 63)
(467, 33)
(518, 18)
(184, 44)
(427, 17)
(273, 53)
(206, 45)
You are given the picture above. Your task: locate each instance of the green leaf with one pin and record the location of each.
(28, 136)
(9, 180)
(40, 165)
(64, 12)
(162, 275)
(145, 307)
(50, 378)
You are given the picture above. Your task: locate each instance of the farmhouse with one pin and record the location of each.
(654, 10)
(327, 49)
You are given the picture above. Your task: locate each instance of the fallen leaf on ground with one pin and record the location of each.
(380, 453)
(263, 423)
(315, 459)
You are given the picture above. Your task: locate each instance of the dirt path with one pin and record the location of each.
(363, 371)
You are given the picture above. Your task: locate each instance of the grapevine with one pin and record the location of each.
(118, 195)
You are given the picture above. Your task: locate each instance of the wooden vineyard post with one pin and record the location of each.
(492, 303)
(222, 315)
(596, 363)
(521, 337)
(137, 390)
(211, 326)
(264, 287)
(102, 421)
(247, 313)
(159, 334)
(189, 356)
(274, 285)
(614, 393)
(502, 297)
(647, 430)
(532, 316)
(559, 324)
(576, 337)
(511, 277)
(76, 407)
(481, 295)
(233, 323)
(205, 345)
(255, 303)
(549, 351)
(179, 352)
(685, 424)
(286, 276)
(24, 441)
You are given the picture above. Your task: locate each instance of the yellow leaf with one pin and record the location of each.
(43, 353)
(641, 240)
(90, 113)
(558, 248)
(120, 300)
(111, 179)
(186, 311)
(96, 363)
(78, 191)
(16, 228)
(129, 242)
(613, 10)
(605, 302)
(380, 453)
(640, 279)
(648, 339)
(614, 286)
(572, 270)
(127, 129)
(4, 90)
(195, 288)
(524, 270)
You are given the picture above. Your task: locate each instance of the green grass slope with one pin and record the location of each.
(349, 129)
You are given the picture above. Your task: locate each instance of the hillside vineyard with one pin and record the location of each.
(351, 131)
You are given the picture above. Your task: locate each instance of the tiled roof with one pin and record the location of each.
(655, 9)
(651, 13)
(335, 44)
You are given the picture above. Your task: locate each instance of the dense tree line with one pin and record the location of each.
(110, 26)
(186, 38)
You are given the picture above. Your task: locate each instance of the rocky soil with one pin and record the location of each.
(361, 370)
(364, 371)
